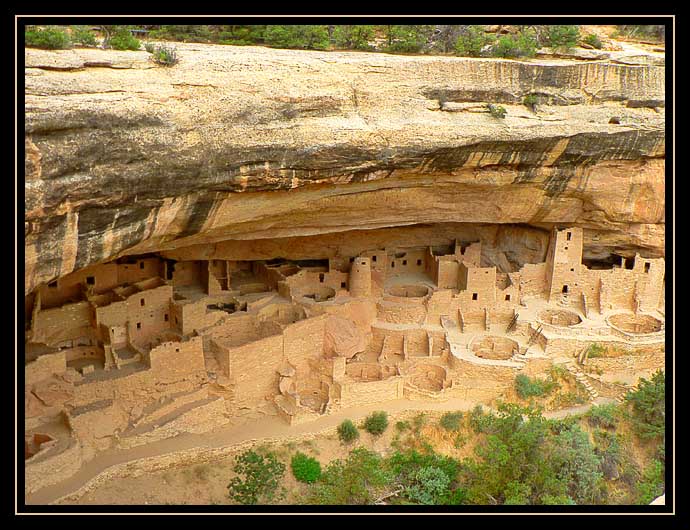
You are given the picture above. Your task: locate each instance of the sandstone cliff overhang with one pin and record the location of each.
(243, 143)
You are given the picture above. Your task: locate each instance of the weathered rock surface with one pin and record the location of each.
(250, 143)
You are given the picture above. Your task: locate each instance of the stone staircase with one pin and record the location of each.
(620, 398)
(520, 358)
(564, 301)
(581, 378)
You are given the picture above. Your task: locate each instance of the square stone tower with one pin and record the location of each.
(563, 263)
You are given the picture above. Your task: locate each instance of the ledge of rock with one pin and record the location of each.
(251, 143)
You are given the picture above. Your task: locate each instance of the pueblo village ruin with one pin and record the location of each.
(265, 234)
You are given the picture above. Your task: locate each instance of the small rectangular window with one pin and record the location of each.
(90, 280)
(404, 262)
(419, 262)
(138, 325)
(141, 264)
(373, 258)
(568, 234)
(474, 296)
(392, 264)
(508, 297)
(646, 267)
(165, 317)
(321, 278)
(343, 285)
(142, 301)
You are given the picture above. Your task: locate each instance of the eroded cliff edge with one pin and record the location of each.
(248, 143)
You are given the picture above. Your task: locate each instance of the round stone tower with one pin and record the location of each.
(360, 277)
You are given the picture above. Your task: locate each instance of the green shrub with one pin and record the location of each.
(532, 387)
(164, 55)
(595, 350)
(522, 45)
(407, 38)
(530, 101)
(649, 407)
(472, 40)
(258, 478)
(305, 468)
(50, 38)
(149, 47)
(451, 421)
(652, 32)
(124, 40)
(496, 111)
(593, 40)
(428, 485)
(347, 431)
(83, 35)
(376, 423)
(358, 480)
(563, 36)
(403, 425)
(603, 416)
(306, 37)
(353, 37)
(652, 484)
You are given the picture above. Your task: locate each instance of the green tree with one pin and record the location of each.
(652, 484)
(83, 35)
(407, 38)
(524, 44)
(49, 38)
(306, 37)
(358, 480)
(472, 40)
(565, 36)
(353, 37)
(119, 38)
(305, 468)
(428, 485)
(649, 407)
(258, 478)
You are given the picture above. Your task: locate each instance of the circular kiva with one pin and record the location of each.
(635, 324)
(496, 348)
(560, 317)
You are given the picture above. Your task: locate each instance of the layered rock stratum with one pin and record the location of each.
(293, 153)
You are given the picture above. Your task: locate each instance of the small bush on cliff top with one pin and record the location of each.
(83, 35)
(305, 468)
(376, 423)
(347, 431)
(163, 55)
(50, 38)
(593, 40)
(124, 40)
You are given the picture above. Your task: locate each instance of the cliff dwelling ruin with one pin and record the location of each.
(261, 236)
(118, 352)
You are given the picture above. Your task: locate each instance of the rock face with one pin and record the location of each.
(273, 146)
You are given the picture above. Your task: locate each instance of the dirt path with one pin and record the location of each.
(233, 434)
